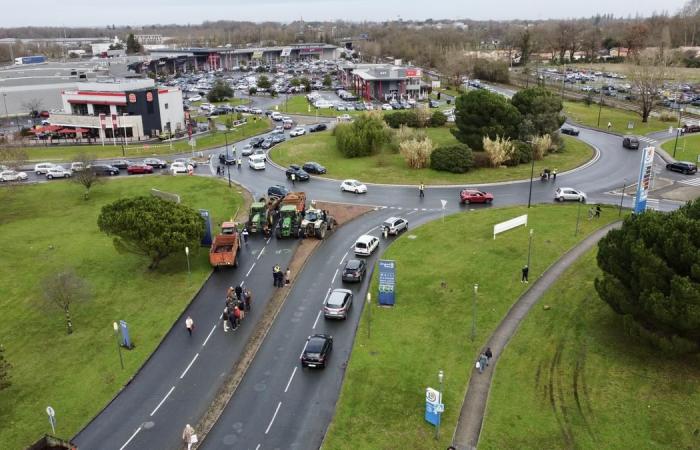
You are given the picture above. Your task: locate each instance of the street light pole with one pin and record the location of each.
(187, 253)
(532, 175)
(678, 130)
(529, 247)
(476, 288)
(228, 166)
(437, 429)
(600, 107)
(622, 197)
(369, 315)
(578, 217)
(119, 347)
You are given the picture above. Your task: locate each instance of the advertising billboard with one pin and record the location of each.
(644, 181)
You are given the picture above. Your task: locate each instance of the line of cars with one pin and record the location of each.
(113, 168)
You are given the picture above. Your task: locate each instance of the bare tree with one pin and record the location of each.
(647, 77)
(63, 290)
(84, 175)
(12, 156)
(33, 105)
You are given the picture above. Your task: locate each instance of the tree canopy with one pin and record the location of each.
(363, 137)
(482, 113)
(541, 108)
(132, 45)
(219, 92)
(151, 227)
(264, 82)
(651, 277)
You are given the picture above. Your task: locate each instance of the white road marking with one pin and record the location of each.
(343, 258)
(412, 212)
(211, 332)
(261, 252)
(273, 417)
(130, 439)
(316, 321)
(372, 229)
(250, 270)
(303, 349)
(268, 240)
(424, 209)
(242, 283)
(290, 379)
(334, 275)
(164, 399)
(327, 294)
(189, 365)
(257, 447)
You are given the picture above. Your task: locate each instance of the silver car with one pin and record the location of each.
(338, 304)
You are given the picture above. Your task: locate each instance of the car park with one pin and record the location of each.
(353, 186)
(366, 245)
(277, 191)
(567, 193)
(568, 129)
(156, 163)
(354, 270)
(317, 127)
(314, 167)
(684, 167)
(11, 175)
(57, 172)
(104, 169)
(630, 142)
(338, 304)
(316, 351)
(43, 168)
(467, 196)
(121, 164)
(256, 162)
(178, 167)
(139, 168)
(298, 131)
(395, 225)
(298, 172)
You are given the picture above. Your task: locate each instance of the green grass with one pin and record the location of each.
(382, 400)
(49, 227)
(571, 378)
(588, 115)
(211, 140)
(688, 148)
(391, 168)
(299, 105)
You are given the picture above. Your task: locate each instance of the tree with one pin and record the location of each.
(252, 90)
(363, 137)
(327, 81)
(482, 113)
(541, 107)
(33, 106)
(264, 82)
(295, 82)
(151, 227)
(12, 156)
(610, 43)
(525, 45)
(132, 45)
(455, 158)
(86, 176)
(117, 46)
(634, 38)
(303, 81)
(651, 277)
(647, 77)
(219, 92)
(63, 290)
(438, 119)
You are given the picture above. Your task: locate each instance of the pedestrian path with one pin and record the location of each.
(471, 418)
(648, 140)
(691, 181)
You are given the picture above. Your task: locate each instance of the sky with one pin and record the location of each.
(74, 13)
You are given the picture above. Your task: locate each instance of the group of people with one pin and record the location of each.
(546, 174)
(279, 278)
(238, 301)
(594, 213)
(484, 358)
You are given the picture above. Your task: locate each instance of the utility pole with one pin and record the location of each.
(678, 130)
(622, 197)
(600, 107)
(476, 288)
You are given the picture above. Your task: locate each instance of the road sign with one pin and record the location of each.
(644, 181)
(440, 408)
(433, 399)
(387, 282)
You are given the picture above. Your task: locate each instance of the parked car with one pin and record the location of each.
(387, 107)
(43, 168)
(467, 196)
(317, 127)
(684, 167)
(279, 129)
(121, 164)
(316, 351)
(366, 245)
(568, 129)
(567, 193)
(395, 225)
(630, 142)
(434, 103)
(104, 169)
(355, 270)
(338, 304)
(314, 167)
(256, 162)
(298, 172)
(353, 186)
(277, 191)
(11, 175)
(298, 131)
(139, 168)
(156, 163)
(77, 166)
(178, 167)
(57, 172)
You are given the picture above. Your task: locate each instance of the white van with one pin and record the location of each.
(366, 245)
(43, 168)
(256, 162)
(276, 116)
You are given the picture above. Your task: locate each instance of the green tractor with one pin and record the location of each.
(289, 222)
(258, 218)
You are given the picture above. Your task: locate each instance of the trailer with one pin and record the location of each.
(25, 60)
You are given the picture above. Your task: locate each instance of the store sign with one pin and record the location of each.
(412, 72)
(310, 50)
(286, 51)
(257, 54)
(644, 181)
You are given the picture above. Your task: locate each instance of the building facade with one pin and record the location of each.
(382, 82)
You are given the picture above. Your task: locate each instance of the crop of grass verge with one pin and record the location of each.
(619, 118)
(299, 105)
(382, 400)
(687, 149)
(571, 378)
(48, 227)
(390, 167)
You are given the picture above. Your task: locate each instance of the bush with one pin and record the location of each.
(456, 158)
(363, 137)
(499, 150)
(399, 118)
(438, 119)
(481, 159)
(219, 92)
(522, 153)
(416, 152)
(667, 117)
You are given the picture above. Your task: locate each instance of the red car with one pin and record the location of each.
(474, 196)
(139, 168)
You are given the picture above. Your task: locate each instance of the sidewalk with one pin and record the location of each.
(471, 418)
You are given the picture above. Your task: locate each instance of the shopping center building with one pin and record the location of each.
(382, 82)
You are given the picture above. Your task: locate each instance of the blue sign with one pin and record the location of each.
(433, 403)
(206, 239)
(387, 282)
(126, 340)
(644, 181)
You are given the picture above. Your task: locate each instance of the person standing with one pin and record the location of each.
(236, 317)
(224, 316)
(245, 235)
(483, 361)
(554, 175)
(597, 211)
(287, 277)
(189, 324)
(276, 272)
(525, 273)
(609, 126)
(239, 292)
(489, 355)
(240, 162)
(293, 177)
(189, 436)
(421, 190)
(247, 298)
(218, 170)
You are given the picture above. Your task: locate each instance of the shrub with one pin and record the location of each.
(541, 145)
(522, 153)
(416, 152)
(499, 150)
(481, 159)
(399, 118)
(488, 70)
(363, 137)
(452, 158)
(438, 119)
(667, 117)
(219, 92)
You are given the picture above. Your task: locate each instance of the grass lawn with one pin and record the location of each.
(49, 227)
(572, 378)
(391, 168)
(688, 148)
(381, 405)
(211, 140)
(619, 118)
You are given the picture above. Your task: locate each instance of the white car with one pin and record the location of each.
(178, 167)
(195, 98)
(11, 175)
(353, 186)
(276, 116)
(344, 118)
(43, 168)
(366, 244)
(256, 162)
(186, 161)
(57, 172)
(298, 131)
(567, 193)
(387, 107)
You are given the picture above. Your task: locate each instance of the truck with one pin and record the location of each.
(224, 249)
(289, 222)
(297, 199)
(25, 60)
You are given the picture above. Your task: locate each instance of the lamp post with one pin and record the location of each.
(4, 100)
(532, 175)
(622, 197)
(119, 347)
(187, 253)
(678, 130)
(369, 315)
(476, 289)
(437, 429)
(228, 166)
(578, 217)
(529, 247)
(600, 107)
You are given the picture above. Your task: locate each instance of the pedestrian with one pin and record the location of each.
(240, 162)
(239, 292)
(287, 277)
(224, 317)
(241, 309)
(526, 272)
(190, 169)
(483, 362)
(554, 175)
(245, 235)
(591, 213)
(218, 170)
(189, 324)
(276, 272)
(189, 436)
(236, 317)
(597, 211)
(609, 126)
(421, 190)
(489, 355)
(229, 293)
(293, 177)
(247, 298)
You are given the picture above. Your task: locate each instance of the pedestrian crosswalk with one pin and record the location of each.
(648, 140)
(653, 203)
(691, 181)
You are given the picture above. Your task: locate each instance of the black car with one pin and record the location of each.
(227, 158)
(121, 164)
(314, 167)
(104, 169)
(257, 141)
(630, 142)
(317, 350)
(684, 167)
(573, 131)
(355, 270)
(317, 127)
(298, 172)
(277, 191)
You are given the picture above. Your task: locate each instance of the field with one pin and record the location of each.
(688, 148)
(391, 168)
(571, 378)
(619, 118)
(299, 105)
(399, 354)
(49, 227)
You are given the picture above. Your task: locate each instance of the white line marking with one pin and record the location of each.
(273, 417)
(250, 270)
(132, 437)
(261, 252)
(257, 447)
(189, 365)
(268, 240)
(316, 321)
(242, 282)
(327, 294)
(424, 209)
(334, 275)
(164, 399)
(211, 332)
(412, 212)
(290, 379)
(343, 258)
(372, 229)
(399, 207)
(415, 209)
(303, 349)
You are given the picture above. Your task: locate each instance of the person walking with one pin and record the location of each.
(240, 162)
(489, 355)
(421, 190)
(294, 178)
(247, 298)
(483, 362)
(525, 273)
(189, 436)
(609, 126)
(224, 317)
(189, 324)
(597, 211)
(218, 170)
(236, 317)
(287, 277)
(554, 175)
(245, 236)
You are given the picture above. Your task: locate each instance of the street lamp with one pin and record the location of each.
(600, 107)
(529, 248)
(369, 315)
(187, 253)
(678, 130)
(622, 197)
(119, 347)
(228, 166)
(476, 289)
(578, 217)
(437, 429)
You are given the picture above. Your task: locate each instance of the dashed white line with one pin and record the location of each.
(250, 270)
(316, 321)
(334, 275)
(327, 294)
(209, 335)
(164, 399)
(130, 439)
(268, 240)
(343, 258)
(372, 229)
(290, 379)
(257, 447)
(273, 418)
(261, 252)
(242, 283)
(412, 212)
(189, 365)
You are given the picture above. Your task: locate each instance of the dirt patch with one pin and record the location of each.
(344, 213)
